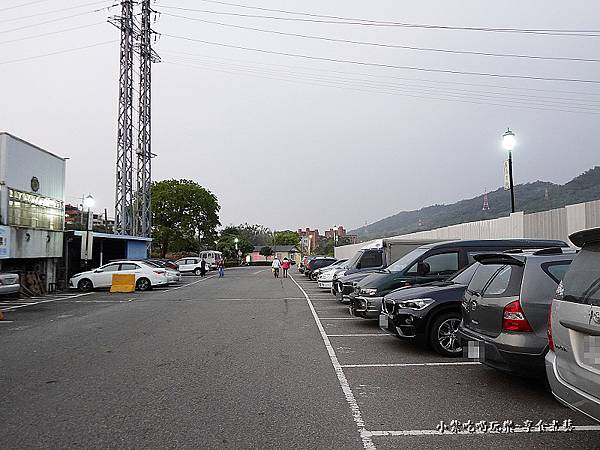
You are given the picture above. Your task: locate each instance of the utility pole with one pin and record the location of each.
(143, 205)
(124, 184)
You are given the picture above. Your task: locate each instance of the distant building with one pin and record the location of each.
(309, 239)
(281, 251)
(340, 232)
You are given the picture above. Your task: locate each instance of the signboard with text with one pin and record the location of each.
(506, 176)
(4, 242)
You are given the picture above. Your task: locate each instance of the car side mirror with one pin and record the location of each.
(358, 265)
(423, 269)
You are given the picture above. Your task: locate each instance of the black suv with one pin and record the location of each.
(426, 264)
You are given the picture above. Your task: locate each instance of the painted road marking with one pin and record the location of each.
(11, 308)
(454, 363)
(188, 284)
(341, 318)
(350, 399)
(360, 335)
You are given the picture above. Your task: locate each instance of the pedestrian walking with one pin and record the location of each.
(285, 265)
(203, 267)
(276, 265)
(221, 266)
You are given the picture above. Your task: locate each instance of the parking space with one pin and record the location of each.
(20, 312)
(408, 396)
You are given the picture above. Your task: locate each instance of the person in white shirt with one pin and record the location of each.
(276, 265)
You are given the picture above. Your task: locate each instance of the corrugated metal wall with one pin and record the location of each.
(552, 224)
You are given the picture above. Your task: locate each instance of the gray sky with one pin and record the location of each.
(290, 142)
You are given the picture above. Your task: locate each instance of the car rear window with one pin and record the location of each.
(556, 270)
(581, 283)
(497, 280)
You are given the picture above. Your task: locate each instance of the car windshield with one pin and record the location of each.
(407, 260)
(352, 261)
(153, 263)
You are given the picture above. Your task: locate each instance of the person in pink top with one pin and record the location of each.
(285, 265)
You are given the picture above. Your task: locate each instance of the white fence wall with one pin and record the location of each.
(553, 224)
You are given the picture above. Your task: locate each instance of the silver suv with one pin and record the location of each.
(573, 362)
(505, 308)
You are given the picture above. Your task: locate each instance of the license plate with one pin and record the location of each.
(383, 320)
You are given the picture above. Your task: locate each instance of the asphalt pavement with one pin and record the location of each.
(247, 361)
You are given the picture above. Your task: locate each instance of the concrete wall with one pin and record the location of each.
(553, 224)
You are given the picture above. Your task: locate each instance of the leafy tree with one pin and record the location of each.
(227, 245)
(287, 237)
(183, 212)
(266, 251)
(325, 247)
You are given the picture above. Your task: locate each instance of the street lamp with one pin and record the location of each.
(508, 142)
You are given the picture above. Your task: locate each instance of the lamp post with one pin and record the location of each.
(89, 203)
(508, 142)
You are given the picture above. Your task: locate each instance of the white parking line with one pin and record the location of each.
(361, 335)
(340, 318)
(188, 284)
(350, 399)
(11, 308)
(454, 363)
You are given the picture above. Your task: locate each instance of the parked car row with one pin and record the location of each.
(490, 300)
(148, 274)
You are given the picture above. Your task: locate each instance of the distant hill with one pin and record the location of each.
(529, 197)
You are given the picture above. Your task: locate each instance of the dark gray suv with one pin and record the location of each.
(505, 308)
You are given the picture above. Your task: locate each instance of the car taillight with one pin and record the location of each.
(513, 318)
(550, 341)
(160, 272)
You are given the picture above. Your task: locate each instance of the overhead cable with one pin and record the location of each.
(363, 22)
(386, 66)
(378, 44)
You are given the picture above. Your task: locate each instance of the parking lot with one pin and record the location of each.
(249, 361)
(400, 392)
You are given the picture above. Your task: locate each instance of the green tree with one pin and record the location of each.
(227, 245)
(287, 237)
(183, 212)
(325, 247)
(266, 251)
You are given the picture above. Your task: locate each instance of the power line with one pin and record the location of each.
(44, 55)
(58, 19)
(351, 76)
(23, 4)
(13, 19)
(387, 66)
(360, 89)
(364, 22)
(395, 77)
(50, 33)
(377, 44)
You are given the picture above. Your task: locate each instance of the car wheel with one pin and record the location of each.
(143, 284)
(443, 336)
(197, 272)
(313, 276)
(85, 285)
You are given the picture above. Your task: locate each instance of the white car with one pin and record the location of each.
(146, 276)
(325, 279)
(191, 264)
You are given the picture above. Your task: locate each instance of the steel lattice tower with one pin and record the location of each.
(143, 207)
(124, 182)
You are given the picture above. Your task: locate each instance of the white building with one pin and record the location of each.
(32, 196)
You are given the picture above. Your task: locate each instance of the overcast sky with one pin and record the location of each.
(292, 142)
